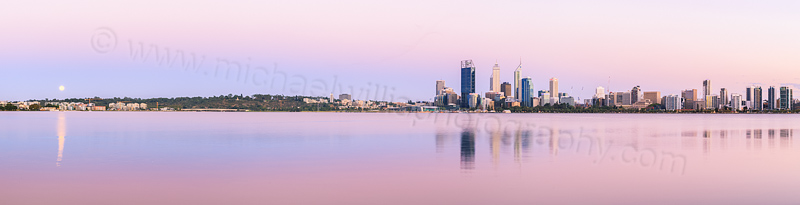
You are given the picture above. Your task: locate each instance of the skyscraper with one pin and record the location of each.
(786, 98)
(758, 101)
(467, 81)
(495, 79)
(518, 79)
(736, 101)
(689, 97)
(506, 89)
(707, 87)
(771, 104)
(554, 91)
(673, 102)
(723, 96)
(748, 96)
(439, 87)
(636, 94)
(527, 91)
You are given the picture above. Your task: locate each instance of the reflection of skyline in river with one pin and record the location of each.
(468, 149)
(552, 141)
(61, 129)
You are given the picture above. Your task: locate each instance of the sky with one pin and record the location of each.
(389, 50)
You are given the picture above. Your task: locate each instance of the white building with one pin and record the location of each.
(736, 101)
(600, 92)
(495, 79)
(673, 102)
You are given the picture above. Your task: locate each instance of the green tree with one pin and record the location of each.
(34, 107)
(10, 107)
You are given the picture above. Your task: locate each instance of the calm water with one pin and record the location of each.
(368, 158)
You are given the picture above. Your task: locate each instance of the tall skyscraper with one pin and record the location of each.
(467, 81)
(707, 87)
(786, 98)
(771, 103)
(636, 94)
(758, 101)
(723, 96)
(506, 89)
(439, 87)
(554, 91)
(495, 79)
(527, 91)
(518, 79)
(748, 96)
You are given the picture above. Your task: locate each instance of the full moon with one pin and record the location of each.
(61, 88)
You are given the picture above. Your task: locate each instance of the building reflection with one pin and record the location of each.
(495, 144)
(517, 145)
(554, 141)
(548, 141)
(61, 129)
(786, 138)
(441, 140)
(468, 149)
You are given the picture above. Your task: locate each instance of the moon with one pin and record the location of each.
(61, 88)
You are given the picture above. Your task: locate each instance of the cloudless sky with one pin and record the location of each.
(390, 50)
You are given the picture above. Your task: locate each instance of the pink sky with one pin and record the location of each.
(403, 45)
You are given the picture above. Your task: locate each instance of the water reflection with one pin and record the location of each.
(468, 149)
(555, 142)
(61, 129)
(495, 146)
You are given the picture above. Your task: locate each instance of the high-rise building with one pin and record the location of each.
(506, 89)
(707, 87)
(758, 101)
(527, 92)
(736, 101)
(439, 87)
(786, 98)
(748, 96)
(467, 81)
(689, 98)
(723, 97)
(771, 103)
(712, 102)
(673, 102)
(636, 94)
(623, 98)
(518, 79)
(473, 100)
(611, 99)
(495, 79)
(653, 96)
(554, 90)
(599, 92)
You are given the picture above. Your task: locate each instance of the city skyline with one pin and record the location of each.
(586, 44)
